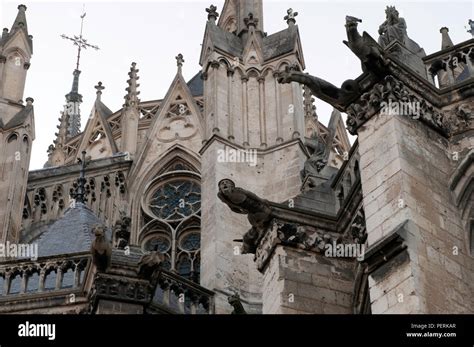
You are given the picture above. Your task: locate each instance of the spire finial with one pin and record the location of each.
(20, 20)
(80, 192)
(179, 61)
(212, 13)
(99, 89)
(446, 41)
(250, 21)
(80, 42)
(131, 99)
(290, 17)
(471, 25)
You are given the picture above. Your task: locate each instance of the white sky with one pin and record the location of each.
(152, 33)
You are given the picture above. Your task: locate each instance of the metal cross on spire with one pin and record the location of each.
(80, 42)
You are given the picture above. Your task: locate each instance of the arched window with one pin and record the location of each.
(171, 209)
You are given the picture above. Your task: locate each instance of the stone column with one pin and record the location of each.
(245, 113)
(278, 114)
(263, 130)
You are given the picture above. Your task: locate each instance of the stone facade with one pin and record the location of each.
(229, 196)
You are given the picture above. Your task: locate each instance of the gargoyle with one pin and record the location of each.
(101, 249)
(242, 201)
(364, 47)
(149, 264)
(337, 97)
(234, 301)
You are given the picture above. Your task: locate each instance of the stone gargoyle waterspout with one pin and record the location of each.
(337, 97)
(244, 202)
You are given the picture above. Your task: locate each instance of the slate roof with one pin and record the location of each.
(72, 233)
(274, 45)
(19, 118)
(279, 43)
(226, 41)
(196, 85)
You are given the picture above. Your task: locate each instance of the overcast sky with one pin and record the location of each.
(152, 33)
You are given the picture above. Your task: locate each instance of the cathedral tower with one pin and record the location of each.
(247, 114)
(16, 125)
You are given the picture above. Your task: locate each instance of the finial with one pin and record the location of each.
(131, 99)
(471, 25)
(212, 13)
(179, 61)
(290, 17)
(22, 7)
(99, 89)
(80, 194)
(29, 101)
(446, 41)
(250, 21)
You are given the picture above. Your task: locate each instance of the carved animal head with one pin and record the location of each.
(286, 76)
(226, 186)
(352, 21)
(99, 231)
(234, 299)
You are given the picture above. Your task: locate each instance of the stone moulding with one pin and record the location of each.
(289, 234)
(391, 90)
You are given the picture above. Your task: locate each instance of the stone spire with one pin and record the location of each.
(446, 41)
(131, 114)
(73, 102)
(18, 25)
(131, 99)
(290, 17)
(20, 21)
(212, 13)
(73, 98)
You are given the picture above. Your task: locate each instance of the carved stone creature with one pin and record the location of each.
(364, 47)
(244, 202)
(395, 28)
(101, 249)
(122, 232)
(320, 149)
(337, 97)
(318, 159)
(235, 302)
(149, 263)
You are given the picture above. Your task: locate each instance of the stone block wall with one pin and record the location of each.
(405, 169)
(301, 282)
